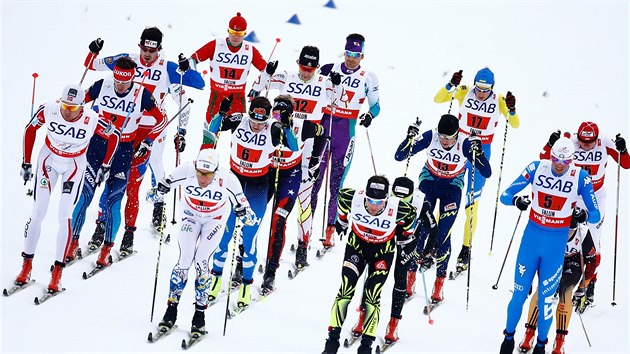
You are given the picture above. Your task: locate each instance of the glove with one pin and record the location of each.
(271, 67)
(180, 141)
(313, 168)
(413, 131)
(102, 174)
(554, 137)
(522, 202)
(164, 186)
(366, 119)
(579, 299)
(457, 78)
(246, 214)
(620, 144)
(580, 215)
(226, 104)
(335, 78)
(142, 149)
(26, 172)
(153, 196)
(96, 45)
(510, 102)
(340, 227)
(286, 112)
(426, 259)
(183, 62)
(475, 146)
(253, 94)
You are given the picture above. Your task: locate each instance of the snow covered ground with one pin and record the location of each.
(564, 61)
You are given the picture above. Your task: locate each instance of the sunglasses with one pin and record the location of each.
(447, 137)
(150, 50)
(237, 33)
(562, 162)
(204, 174)
(308, 69)
(351, 54)
(70, 107)
(483, 90)
(122, 82)
(375, 201)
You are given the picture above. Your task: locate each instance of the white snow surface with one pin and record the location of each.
(565, 61)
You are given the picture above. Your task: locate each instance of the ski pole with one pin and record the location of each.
(274, 204)
(268, 60)
(613, 303)
(496, 201)
(29, 191)
(426, 294)
(371, 153)
(179, 121)
(496, 285)
(190, 100)
(471, 198)
(157, 272)
(418, 122)
(583, 285)
(238, 226)
(87, 68)
(333, 109)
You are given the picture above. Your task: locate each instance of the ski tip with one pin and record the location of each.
(36, 301)
(5, 292)
(260, 268)
(184, 344)
(346, 344)
(318, 254)
(84, 276)
(290, 274)
(150, 337)
(378, 349)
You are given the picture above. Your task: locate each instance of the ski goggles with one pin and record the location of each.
(375, 202)
(308, 69)
(351, 54)
(237, 33)
(556, 160)
(147, 49)
(70, 107)
(447, 137)
(482, 90)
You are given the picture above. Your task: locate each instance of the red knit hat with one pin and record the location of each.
(588, 132)
(238, 23)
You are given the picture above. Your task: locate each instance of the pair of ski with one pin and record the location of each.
(232, 313)
(121, 257)
(458, 271)
(38, 300)
(380, 348)
(164, 331)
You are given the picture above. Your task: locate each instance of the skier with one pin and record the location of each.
(442, 177)
(404, 275)
(480, 110)
(579, 257)
(556, 187)
(254, 141)
(312, 92)
(63, 155)
(353, 85)
(230, 62)
(591, 154)
(210, 194)
(373, 219)
(124, 101)
(287, 182)
(162, 79)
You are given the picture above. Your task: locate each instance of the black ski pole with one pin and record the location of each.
(238, 225)
(496, 201)
(496, 285)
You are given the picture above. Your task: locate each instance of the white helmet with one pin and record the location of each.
(207, 160)
(563, 149)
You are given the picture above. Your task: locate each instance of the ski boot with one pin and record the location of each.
(97, 237)
(25, 275)
(558, 344)
(528, 342)
(199, 321)
(438, 294)
(357, 330)
(332, 342)
(301, 254)
(507, 347)
(269, 279)
(215, 287)
(329, 241)
(73, 250)
(540, 347)
(53, 287)
(244, 294)
(392, 330)
(104, 258)
(170, 316)
(366, 345)
(463, 259)
(159, 217)
(126, 247)
(411, 283)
